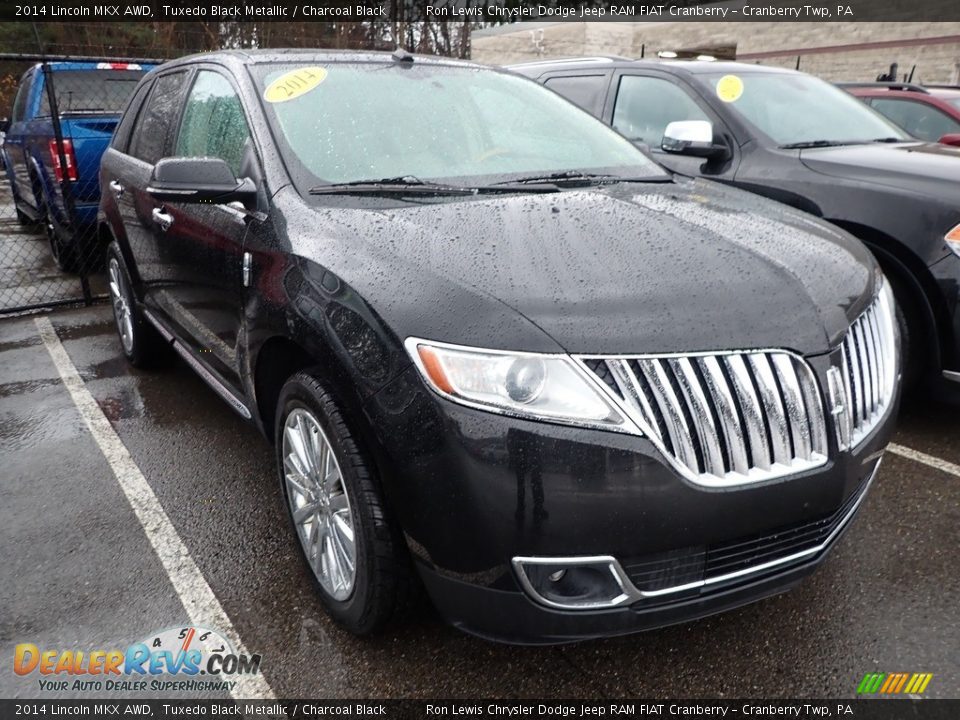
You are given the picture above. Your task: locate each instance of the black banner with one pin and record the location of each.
(479, 11)
(508, 709)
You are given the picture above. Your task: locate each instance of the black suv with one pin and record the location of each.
(801, 141)
(495, 345)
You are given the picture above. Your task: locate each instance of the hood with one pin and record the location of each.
(631, 268)
(929, 169)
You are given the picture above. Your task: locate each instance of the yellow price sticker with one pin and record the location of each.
(293, 84)
(729, 88)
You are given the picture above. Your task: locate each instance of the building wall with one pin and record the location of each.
(835, 51)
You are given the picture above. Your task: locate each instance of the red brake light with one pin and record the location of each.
(68, 156)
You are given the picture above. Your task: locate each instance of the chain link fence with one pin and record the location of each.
(60, 114)
(62, 87)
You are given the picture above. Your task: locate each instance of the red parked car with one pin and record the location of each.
(929, 113)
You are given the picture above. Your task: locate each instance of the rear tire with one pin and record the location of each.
(341, 522)
(64, 255)
(142, 345)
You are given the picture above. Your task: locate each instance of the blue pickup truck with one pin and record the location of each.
(90, 97)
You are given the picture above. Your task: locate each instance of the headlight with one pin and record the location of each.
(542, 387)
(953, 240)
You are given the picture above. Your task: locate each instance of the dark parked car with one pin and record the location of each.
(801, 141)
(496, 346)
(926, 113)
(89, 97)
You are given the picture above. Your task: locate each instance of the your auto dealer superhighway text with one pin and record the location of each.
(799, 710)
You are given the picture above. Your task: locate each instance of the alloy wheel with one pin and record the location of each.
(121, 308)
(319, 504)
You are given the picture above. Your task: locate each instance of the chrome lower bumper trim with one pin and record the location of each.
(632, 594)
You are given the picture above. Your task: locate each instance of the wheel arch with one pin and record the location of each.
(911, 274)
(279, 358)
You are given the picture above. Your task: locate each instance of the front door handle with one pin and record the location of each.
(162, 219)
(117, 188)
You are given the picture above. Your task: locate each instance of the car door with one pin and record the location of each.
(14, 146)
(202, 243)
(641, 105)
(149, 141)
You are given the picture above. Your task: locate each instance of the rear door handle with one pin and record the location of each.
(162, 219)
(117, 188)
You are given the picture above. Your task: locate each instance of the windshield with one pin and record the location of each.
(349, 122)
(91, 91)
(794, 109)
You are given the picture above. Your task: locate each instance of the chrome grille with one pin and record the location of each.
(725, 418)
(869, 369)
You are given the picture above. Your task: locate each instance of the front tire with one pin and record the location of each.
(355, 556)
(142, 345)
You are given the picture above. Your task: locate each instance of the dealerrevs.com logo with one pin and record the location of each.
(177, 659)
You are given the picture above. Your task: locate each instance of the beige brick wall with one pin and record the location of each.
(936, 62)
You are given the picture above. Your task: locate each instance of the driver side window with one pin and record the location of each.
(213, 122)
(646, 105)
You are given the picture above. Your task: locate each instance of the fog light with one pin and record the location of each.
(576, 583)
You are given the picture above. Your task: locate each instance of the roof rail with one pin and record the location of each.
(889, 85)
(572, 60)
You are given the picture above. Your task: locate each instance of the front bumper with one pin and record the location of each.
(473, 491)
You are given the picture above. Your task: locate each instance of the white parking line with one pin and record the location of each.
(929, 460)
(198, 599)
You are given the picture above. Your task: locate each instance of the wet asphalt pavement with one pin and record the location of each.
(78, 571)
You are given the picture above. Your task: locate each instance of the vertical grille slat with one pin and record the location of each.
(728, 413)
(868, 355)
(864, 358)
(710, 440)
(795, 405)
(856, 374)
(774, 411)
(875, 356)
(680, 436)
(752, 412)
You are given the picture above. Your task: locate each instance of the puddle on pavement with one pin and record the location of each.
(26, 386)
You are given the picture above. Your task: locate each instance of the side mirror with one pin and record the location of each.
(950, 139)
(693, 137)
(199, 180)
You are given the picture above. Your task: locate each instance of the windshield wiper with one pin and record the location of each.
(816, 144)
(405, 184)
(889, 140)
(575, 178)
(411, 185)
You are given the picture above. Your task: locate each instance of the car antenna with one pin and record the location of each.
(402, 56)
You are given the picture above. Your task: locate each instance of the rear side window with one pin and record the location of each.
(122, 135)
(20, 104)
(153, 126)
(583, 90)
(213, 122)
(90, 91)
(646, 105)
